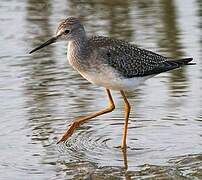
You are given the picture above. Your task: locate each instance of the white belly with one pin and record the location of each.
(110, 80)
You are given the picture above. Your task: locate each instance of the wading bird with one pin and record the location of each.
(110, 63)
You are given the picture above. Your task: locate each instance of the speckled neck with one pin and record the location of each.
(78, 53)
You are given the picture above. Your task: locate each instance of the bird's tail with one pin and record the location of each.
(174, 64)
(182, 62)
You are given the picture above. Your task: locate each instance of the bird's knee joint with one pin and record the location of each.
(111, 107)
(75, 124)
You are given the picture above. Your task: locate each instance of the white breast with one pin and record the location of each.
(111, 80)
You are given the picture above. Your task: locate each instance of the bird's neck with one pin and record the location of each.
(77, 52)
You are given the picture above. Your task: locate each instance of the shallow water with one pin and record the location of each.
(41, 94)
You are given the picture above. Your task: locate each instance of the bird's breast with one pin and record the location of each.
(79, 58)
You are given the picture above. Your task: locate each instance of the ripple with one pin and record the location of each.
(90, 146)
(100, 146)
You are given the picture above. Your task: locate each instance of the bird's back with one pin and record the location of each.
(131, 61)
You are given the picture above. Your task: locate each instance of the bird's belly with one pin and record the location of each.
(113, 81)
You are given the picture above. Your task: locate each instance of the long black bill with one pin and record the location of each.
(50, 41)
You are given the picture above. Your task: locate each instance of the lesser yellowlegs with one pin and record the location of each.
(110, 63)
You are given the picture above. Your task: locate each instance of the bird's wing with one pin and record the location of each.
(129, 60)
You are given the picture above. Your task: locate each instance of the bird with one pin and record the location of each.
(114, 64)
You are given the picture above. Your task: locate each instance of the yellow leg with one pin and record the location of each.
(127, 112)
(81, 120)
(125, 159)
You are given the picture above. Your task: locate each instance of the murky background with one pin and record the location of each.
(41, 94)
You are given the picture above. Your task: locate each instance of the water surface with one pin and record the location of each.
(41, 94)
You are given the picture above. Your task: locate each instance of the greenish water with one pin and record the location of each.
(41, 94)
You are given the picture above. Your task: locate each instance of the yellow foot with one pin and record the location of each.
(124, 151)
(124, 147)
(69, 132)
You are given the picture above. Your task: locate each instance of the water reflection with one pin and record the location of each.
(199, 5)
(171, 42)
(166, 113)
(40, 71)
(119, 19)
(94, 141)
(116, 22)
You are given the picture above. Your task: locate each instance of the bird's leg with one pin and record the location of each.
(127, 112)
(125, 159)
(81, 120)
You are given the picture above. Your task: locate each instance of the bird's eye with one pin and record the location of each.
(67, 31)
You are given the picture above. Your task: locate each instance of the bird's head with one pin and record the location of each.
(68, 29)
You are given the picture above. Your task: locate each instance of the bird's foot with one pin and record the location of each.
(124, 147)
(69, 132)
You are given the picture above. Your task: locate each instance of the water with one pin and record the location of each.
(41, 94)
